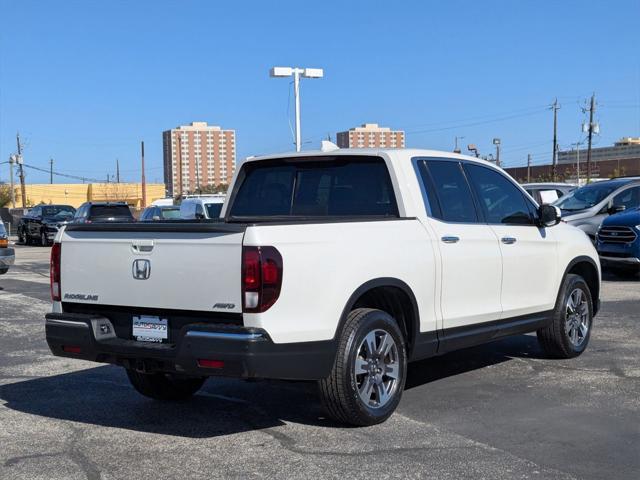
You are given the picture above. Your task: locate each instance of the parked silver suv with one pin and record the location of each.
(588, 206)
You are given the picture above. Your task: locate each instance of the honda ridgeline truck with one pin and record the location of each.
(339, 267)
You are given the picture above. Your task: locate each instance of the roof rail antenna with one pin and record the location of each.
(327, 146)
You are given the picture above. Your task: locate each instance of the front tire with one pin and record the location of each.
(44, 241)
(568, 334)
(164, 386)
(369, 372)
(21, 238)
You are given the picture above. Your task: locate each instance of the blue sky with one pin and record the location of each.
(85, 81)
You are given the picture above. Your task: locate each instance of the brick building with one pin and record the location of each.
(199, 154)
(371, 135)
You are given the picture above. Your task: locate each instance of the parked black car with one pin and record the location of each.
(160, 212)
(99, 212)
(42, 222)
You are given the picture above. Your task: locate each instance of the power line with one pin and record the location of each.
(472, 124)
(75, 177)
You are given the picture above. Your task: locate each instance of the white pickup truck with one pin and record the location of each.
(338, 266)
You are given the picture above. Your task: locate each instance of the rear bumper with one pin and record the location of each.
(245, 352)
(7, 257)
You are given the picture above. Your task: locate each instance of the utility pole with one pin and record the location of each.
(144, 183)
(457, 149)
(592, 108)
(117, 171)
(12, 160)
(197, 165)
(554, 167)
(528, 168)
(24, 193)
(179, 165)
(51, 171)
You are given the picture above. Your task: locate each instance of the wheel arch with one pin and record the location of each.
(392, 296)
(587, 268)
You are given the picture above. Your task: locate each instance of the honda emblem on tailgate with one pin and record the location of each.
(141, 269)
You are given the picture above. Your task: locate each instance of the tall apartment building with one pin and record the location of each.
(197, 155)
(371, 135)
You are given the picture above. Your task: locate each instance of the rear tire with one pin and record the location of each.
(369, 372)
(164, 386)
(568, 334)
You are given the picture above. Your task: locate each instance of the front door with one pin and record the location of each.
(529, 259)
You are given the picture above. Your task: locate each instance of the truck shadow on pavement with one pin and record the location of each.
(102, 396)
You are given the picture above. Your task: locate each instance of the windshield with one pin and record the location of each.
(585, 197)
(213, 209)
(170, 213)
(334, 186)
(59, 212)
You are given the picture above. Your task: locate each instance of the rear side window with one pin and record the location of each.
(335, 186)
(213, 209)
(106, 211)
(500, 199)
(452, 192)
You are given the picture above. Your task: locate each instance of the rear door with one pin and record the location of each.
(529, 259)
(471, 262)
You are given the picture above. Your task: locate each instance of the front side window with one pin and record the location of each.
(451, 192)
(630, 198)
(333, 186)
(500, 200)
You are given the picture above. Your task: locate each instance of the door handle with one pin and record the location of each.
(450, 239)
(508, 240)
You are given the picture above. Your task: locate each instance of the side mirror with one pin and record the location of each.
(613, 209)
(200, 216)
(548, 215)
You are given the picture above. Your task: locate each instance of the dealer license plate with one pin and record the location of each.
(147, 328)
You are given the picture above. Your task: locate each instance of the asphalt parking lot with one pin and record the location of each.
(499, 411)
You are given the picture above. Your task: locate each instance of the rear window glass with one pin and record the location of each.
(98, 211)
(170, 213)
(337, 186)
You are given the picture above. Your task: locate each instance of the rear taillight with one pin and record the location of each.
(54, 272)
(261, 278)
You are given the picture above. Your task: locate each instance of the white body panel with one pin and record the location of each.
(529, 269)
(189, 271)
(324, 264)
(471, 273)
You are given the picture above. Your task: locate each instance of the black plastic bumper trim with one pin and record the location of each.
(246, 352)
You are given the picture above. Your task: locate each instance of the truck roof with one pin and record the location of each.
(394, 154)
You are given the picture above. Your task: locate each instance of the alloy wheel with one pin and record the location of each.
(377, 368)
(577, 317)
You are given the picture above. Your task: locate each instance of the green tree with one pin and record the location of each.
(5, 194)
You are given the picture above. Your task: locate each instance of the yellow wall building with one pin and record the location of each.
(75, 194)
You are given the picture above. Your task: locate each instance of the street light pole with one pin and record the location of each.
(496, 142)
(296, 73)
(296, 94)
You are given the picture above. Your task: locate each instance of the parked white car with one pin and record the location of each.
(338, 267)
(201, 207)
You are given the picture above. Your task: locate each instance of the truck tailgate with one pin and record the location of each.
(182, 266)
